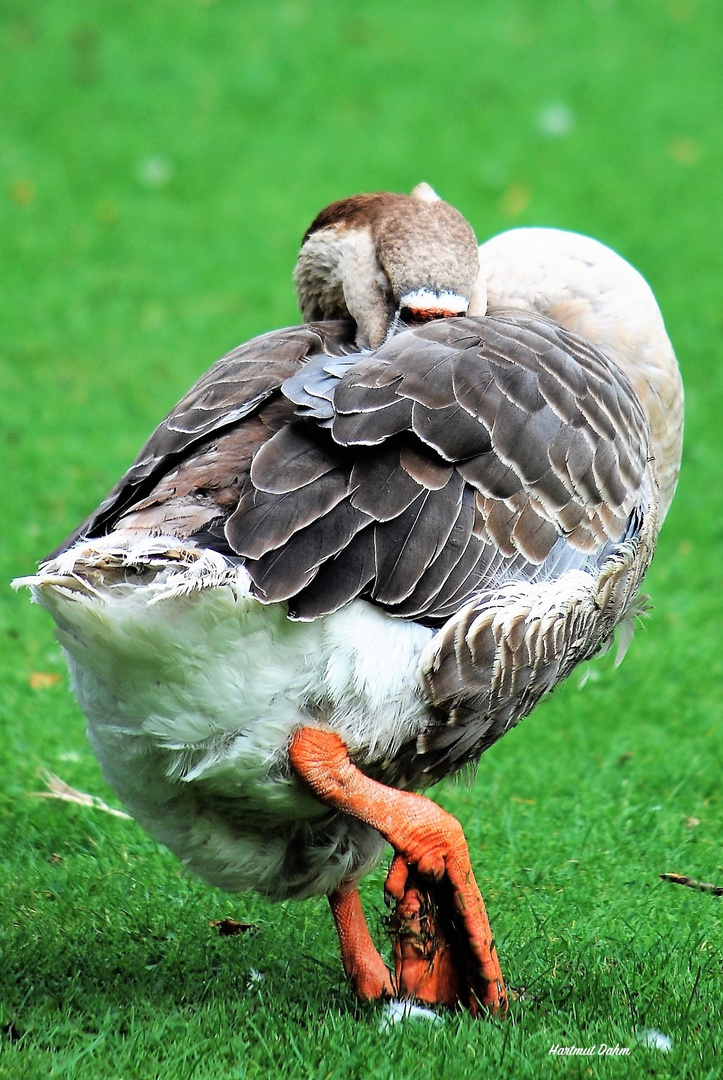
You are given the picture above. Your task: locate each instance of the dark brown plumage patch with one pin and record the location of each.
(353, 212)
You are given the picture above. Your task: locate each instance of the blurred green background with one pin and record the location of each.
(159, 163)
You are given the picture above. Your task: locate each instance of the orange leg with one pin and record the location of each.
(427, 841)
(362, 963)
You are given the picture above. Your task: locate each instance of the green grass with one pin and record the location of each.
(159, 163)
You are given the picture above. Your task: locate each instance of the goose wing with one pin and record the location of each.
(456, 457)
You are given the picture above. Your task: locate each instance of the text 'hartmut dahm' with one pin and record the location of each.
(590, 1051)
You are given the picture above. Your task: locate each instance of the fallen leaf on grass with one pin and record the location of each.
(40, 680)
(58, 789)
(230, 927)
(702, 886)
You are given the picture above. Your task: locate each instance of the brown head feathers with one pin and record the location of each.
(367, 256)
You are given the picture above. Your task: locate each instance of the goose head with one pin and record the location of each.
(382, 258)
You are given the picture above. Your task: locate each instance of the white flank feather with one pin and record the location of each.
(193, 689)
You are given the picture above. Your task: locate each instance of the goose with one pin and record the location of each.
(360, 550)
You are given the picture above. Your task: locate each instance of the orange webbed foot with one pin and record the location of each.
(425, 966)
(433, 959)
(444, 953)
